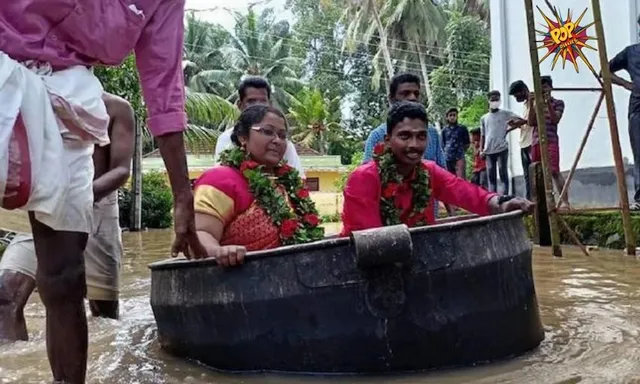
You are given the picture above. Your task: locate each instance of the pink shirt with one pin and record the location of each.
(89, 32)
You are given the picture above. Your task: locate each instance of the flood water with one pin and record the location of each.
(590, 307)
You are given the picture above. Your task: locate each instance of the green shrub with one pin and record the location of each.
(333, 218)
(157, 202)
(603, 229)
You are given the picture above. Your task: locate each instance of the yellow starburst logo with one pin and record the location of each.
(564, 38)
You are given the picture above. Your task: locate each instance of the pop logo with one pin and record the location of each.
(565, 38)
(564, 33)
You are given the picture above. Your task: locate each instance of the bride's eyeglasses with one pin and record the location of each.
(271, 133)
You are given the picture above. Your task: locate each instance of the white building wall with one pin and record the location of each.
(510, 62)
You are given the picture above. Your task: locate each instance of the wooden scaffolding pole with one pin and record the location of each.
(542, 131)
(613, 128)
(594, 114)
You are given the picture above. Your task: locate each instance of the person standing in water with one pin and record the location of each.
(553, 111)
(519, 90)
(18, 265)
(56, 43)
(493, 141)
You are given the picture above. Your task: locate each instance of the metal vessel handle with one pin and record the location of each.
(382, 246)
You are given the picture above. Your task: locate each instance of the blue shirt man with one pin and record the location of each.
(455, 141)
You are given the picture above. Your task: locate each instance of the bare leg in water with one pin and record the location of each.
(15, 289)
(103, 308)
(61, 284)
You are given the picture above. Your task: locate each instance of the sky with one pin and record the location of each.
(219, 11)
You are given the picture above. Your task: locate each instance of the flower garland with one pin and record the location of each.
(296, 226)
(390, 181)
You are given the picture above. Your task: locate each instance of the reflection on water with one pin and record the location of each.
(590, 308)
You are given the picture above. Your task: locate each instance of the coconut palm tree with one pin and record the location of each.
(259, 46)
(208, 115)
(201, 48)
(479, 8)
(408, 30)
(361, 30)
(414, 27)
(315, 119)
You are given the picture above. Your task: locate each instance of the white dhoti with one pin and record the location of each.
(102, 256)
(49, 124)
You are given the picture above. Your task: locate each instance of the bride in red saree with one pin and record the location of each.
(254, 200)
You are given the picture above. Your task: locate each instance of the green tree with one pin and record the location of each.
(479, 8)
(318, 35)
(202, 42)
(365, 24)
(315, 119)
(123, 81)
(259, 46)
(413, 28)
(471, 113)
(467, 59)
(369, 106)
(157, 202)
(465, 70)
(207, 114)
(444, 97)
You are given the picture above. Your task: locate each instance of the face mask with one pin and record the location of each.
(494, 104)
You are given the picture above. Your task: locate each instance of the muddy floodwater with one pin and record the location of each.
(590, 307)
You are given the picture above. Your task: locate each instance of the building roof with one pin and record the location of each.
(303, 150)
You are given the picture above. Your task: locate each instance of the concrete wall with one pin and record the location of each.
(326, 179)
(591, 187)
(510, 62)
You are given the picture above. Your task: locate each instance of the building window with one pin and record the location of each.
(313, 183)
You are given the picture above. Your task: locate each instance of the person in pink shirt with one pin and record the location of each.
(399, 187)
(56, 43)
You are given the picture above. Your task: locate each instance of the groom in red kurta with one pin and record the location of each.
(381, 192)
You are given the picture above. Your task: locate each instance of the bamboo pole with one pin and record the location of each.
(581, 211)
(573, 236)
(573, 89)
(542, 131)
(135, 223)
(592, 121)
(613, 127)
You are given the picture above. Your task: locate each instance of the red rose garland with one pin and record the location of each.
(297, 225)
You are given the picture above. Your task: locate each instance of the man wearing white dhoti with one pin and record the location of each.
(18, 265)
(52, 115)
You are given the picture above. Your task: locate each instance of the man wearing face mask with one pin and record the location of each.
(629, 60)
(493, 141)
